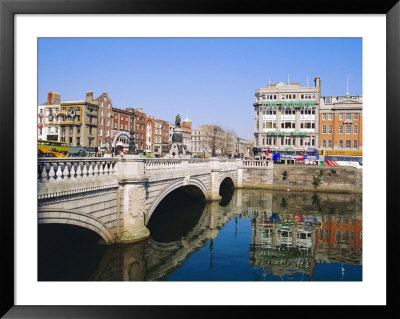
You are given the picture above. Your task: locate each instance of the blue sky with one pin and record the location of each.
(211, 80)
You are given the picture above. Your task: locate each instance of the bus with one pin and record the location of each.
(52, 149)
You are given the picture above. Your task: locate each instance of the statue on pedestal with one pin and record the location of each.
(178, 121)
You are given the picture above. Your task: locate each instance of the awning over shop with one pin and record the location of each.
(331, 163)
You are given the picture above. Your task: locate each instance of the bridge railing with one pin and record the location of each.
(61, 169)
(157, 164)
(257, 164)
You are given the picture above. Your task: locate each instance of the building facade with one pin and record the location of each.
(140, 131)
(104, 118)
(186, 126)
(341, 125)
(74, 122)
(286, 116)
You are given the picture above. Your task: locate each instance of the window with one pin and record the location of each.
(323, 143)
(345, 234)
(355, 144)
(70, 140)
(355, 129)
(340, 116)
(330, 129)
(348, 116)
(355, 116)
(348, 129)
(330, 116)
(269, 124)
(323, 129)
(78, 130)
(288, 124)
(337, 235)
(329, 143)
(348, 144)
(324, 116)
(101, 121)
(101, 132)
(341, 143)
(78, 141)
(108, 122)
(70, 130)
(122, 126)
(327, 100)
(340, 129)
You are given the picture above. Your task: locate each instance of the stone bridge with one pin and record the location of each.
(116, 197)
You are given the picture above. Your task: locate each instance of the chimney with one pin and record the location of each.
(317, 82)
(139, 109)
(89, 96)
(129, 109)
(53, 98)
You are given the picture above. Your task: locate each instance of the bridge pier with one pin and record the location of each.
(132, 183)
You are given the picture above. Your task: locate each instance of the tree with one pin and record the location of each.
(224, 140)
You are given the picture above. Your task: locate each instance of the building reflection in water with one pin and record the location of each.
(291, 235)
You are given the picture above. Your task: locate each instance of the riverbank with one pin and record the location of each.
(304, 178)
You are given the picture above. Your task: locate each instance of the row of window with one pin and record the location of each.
(348, 116)
(288, 141)
(347, 127)
(290, 96)
(348, 143)
(303, 111)
(328, 218)
(289, 124)
(344, 234)
(108, 106)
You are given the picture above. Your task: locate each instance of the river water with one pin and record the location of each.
(250, 235)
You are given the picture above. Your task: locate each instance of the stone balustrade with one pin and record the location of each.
(156, 164)
(257, 164)
(51, 170)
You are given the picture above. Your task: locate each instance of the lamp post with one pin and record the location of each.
(238, 147)
(213, 147)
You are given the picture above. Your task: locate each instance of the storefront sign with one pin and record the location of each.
(277, 133)
(355, 153)
(63, 115)
(299, 133)
(290, 103)
(303, 103)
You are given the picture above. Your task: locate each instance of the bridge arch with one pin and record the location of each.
(59, 216)
(180, 183)
(225, 176)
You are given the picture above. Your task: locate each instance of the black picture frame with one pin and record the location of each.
(8, 10)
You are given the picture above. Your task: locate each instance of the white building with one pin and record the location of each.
(286, 116)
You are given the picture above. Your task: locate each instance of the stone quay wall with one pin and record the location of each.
(344, 179)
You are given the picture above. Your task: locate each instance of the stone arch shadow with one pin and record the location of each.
(180, 183)
(60, 216)
(225, 176)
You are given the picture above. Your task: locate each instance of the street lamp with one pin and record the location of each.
(238, 148)
(213, 147)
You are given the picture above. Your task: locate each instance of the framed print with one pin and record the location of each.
(42, 38)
